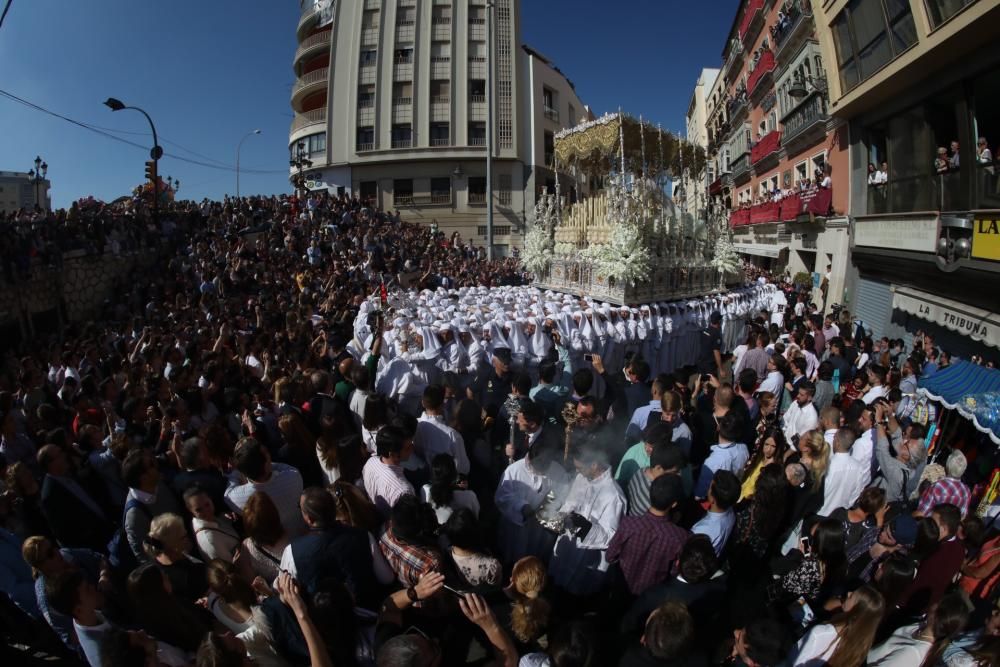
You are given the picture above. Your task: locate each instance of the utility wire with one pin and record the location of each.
(5, 10)
(107, 132)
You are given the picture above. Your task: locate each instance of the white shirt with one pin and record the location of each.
(774, 383)
(284, 487)
(862, 451)
(522, 485)
(845, 480)
(215, 539)
(828, 436)
(718, 526)
(816, 647)
(384, 484)
(877, 391)
(799, 420)
(434, 437)
(460, 498)
(900, 650)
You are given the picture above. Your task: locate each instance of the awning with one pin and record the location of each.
(981, 326)
(972, 390)
(757, 249)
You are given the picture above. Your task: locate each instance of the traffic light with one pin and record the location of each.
(151, 171)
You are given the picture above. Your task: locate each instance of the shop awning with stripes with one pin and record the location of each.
(757, 249)
(972, 390)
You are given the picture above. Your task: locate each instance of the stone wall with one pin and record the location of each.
(72, 293)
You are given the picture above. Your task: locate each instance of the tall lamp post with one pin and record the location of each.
(37, 176)
(301, 162)
(238, 147)
(156, 152)
(489, 130)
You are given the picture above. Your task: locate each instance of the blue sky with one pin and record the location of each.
(210, 71)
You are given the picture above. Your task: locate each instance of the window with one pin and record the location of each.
(868, 35)
(369, 189)
(818, 165)
(548, 141)
(762, 128)
(477, 90)
(504, 185)
(368, 57)
(369, 19)
(571, 116)
(985, 138)
(441, 190)
(403, 56)
(939, 11)
(441, 15)
(477, 134)
(402, 191)
(477, 15)
(314, 144)
(477, 52)
(550, 104)
(440, 91)
(477, 190)
(772, 120)
(402, 92)
(402, 135)
(406, 16)
(366, 96)
(440, 134)
(498, 230)
(440, 52)
(366, 138)
(801, 172)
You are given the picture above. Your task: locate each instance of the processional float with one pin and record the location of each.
(627, 243)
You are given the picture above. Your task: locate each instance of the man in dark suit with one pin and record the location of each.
(198, 471)
(76, 519)
(533, 431)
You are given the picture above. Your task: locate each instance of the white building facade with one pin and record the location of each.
(390, 105)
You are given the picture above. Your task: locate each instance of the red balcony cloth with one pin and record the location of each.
(762, 213)
(739, 217)
(716, 187)
(752, 8)
(817, 201)
(764, 65)
(768, 144)
(790, 208)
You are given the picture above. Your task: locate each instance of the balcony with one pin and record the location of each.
(441, 32)
(796, 28)
(369, 36)
(807, 121)
(411, 201)
(440, 108)
(309, 81)
(734, 58)
(477, 67)
(441, 141)
(552, 114)
(405, 32)
(308, 11)
(716, 187)
(365, 146)
(441, 67)
(740, 168)
(313, 44)
(402, 71)
(761, 73)
(753, 20)
(477, 141)
(308, 118)
(477, 30)
(766, 148)
(366, 74)
(477, 199)
(737, 107)
(402, 143)
(366, 116)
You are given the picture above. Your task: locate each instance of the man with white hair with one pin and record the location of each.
(949, 490)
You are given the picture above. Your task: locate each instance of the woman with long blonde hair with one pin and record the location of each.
(816, 455)
(847, 638)
(529, 611)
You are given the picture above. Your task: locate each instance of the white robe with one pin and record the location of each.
(522, 485)
(579, 566)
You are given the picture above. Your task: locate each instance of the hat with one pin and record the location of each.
(904, 530)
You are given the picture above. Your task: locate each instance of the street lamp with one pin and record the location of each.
(155, 152)
(238, 147)
(37, 176)
(301, 162)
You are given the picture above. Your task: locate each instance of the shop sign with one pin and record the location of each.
(986, 238)
(913, 234)
(980, 325)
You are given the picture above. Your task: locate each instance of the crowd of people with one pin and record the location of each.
(315, 434)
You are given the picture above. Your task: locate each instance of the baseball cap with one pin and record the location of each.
(904, 530)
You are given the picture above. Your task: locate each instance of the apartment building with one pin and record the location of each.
(918, 84)
(695, 186)
(770, 131)
(390, 104)
(18, 190)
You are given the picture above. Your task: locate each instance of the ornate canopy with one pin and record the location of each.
(595, 147)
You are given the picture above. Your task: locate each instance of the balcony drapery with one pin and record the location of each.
(768, 144)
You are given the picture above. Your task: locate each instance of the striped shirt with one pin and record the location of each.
(384, 483)
(638, 493)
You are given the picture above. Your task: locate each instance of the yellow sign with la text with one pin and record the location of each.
(986, 239)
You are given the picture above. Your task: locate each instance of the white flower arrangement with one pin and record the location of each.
(565, 249)
(625, 259)
(538, 249)
(725, 259)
